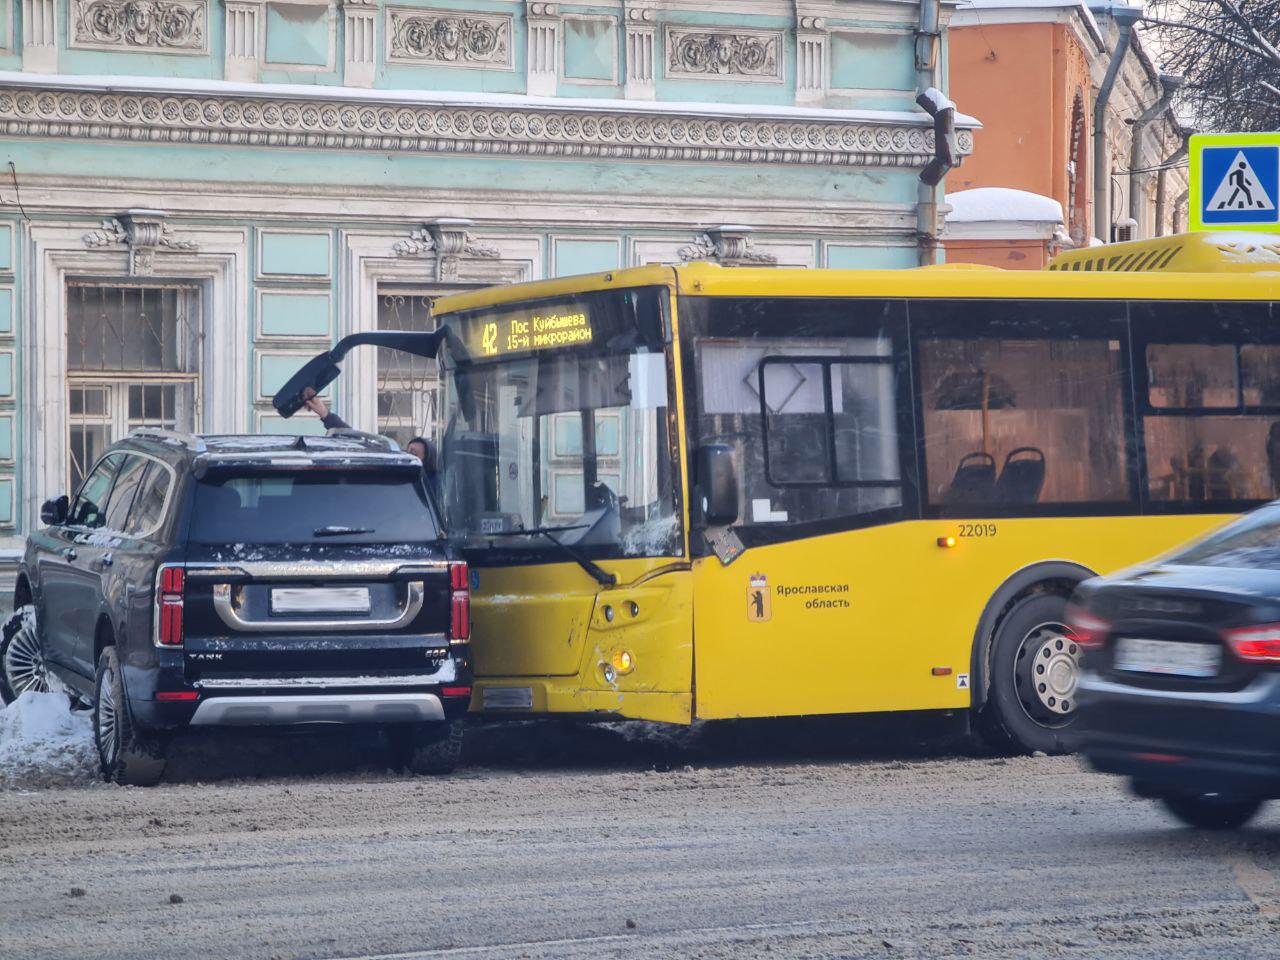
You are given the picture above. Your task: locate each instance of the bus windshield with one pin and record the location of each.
(556, 419)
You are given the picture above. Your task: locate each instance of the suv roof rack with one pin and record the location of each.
(188, 440)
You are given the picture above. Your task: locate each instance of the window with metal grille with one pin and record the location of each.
(133, 360)
(408, 386)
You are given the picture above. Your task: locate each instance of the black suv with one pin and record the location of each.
(244, 581)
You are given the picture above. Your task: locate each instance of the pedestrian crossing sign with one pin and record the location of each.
(1235, 181)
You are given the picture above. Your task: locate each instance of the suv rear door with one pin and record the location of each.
(304, 576)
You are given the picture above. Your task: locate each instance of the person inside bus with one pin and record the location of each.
(425, 450)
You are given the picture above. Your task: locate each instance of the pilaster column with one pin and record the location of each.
(243, 55)
(361, 51)
(812, 39)
(39, 36)
(641, 31)
(544, 48)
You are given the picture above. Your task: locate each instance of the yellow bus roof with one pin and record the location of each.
(713, 280)
(1233, 253)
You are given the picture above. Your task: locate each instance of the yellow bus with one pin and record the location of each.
(699, 492)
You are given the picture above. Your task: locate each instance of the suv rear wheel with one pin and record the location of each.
(22, 665)
(426, 748)
(126, 756)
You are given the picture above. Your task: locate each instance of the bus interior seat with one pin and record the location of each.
(1022, 476)
(975, 479)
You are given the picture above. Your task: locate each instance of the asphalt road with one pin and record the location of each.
(570, 853)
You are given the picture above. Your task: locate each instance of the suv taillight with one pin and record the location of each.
(459, 603)
(170, 591)
(1087, 629)
(1257, 643)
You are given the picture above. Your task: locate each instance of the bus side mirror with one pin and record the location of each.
(54, 512)
(717, 485)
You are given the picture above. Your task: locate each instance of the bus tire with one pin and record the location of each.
(1034, 664)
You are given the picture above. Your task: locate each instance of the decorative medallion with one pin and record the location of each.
(742, 55)
(169, 26)
(448, 39)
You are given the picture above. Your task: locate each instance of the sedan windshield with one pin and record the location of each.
(1252, 541)
(566, 433)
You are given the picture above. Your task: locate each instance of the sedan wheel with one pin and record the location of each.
(22, 660)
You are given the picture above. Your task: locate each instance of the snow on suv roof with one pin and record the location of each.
(350, 446)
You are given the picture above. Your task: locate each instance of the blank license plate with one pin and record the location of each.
(1167, 657)
(320, 600)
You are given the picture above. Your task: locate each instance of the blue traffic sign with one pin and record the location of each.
(1235, 181)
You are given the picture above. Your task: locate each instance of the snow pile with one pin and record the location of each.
(1002, 204)
(44, 743)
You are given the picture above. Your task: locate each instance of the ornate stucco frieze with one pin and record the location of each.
(740, 55)
(173, 26)
(449, 128)
(447, 38)
(143, 232)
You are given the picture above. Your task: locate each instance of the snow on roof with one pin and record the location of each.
(1002, 204)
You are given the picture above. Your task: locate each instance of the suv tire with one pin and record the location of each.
(1016, 716)
(426, 748)
(22, 664)
(126, 756)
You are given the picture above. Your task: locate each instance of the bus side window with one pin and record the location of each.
(1009, 420)
(1211, 409)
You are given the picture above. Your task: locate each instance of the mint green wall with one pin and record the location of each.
(295, 254)
(294, 314)
(870, 258)
(605, 178)
(586, 256)
(299, 34)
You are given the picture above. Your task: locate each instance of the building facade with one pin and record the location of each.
(198, 195)
(1033, 72)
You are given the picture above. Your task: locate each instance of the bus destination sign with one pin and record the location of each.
(528, 331)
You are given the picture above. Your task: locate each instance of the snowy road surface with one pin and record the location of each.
(929, 857)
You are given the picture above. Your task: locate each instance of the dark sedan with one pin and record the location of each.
(1180, 687)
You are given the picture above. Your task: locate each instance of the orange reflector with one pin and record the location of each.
(1160, 757)
(946, 542)
(941, 671)
(170, 695)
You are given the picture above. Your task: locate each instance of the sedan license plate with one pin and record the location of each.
(293, 600)
(1167, 657)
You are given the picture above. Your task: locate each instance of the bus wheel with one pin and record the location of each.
(1034, 664)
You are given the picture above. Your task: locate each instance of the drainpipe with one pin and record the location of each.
(1125, 18)
(1169, 85)
(927, 44)
(1162, 184)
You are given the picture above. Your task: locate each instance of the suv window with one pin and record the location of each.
(148, 506)
(123, 492)
(89, 509)
(281, 507)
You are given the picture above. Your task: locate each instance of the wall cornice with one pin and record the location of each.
(349, 119)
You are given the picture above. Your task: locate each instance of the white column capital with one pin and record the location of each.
(39, 36)
(641, 46)
(544, 24)
(245, 25)
(360, 28)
